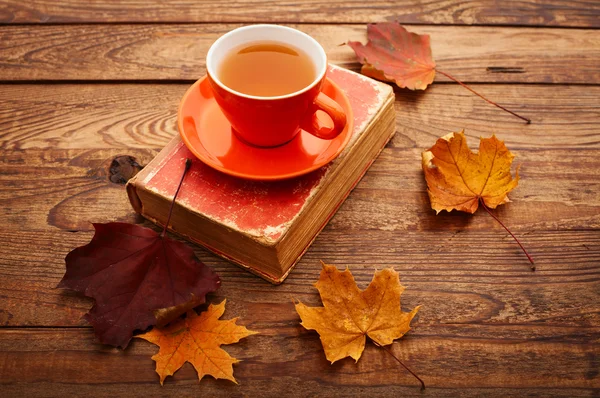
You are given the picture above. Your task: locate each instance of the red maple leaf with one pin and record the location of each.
(395, 54)
(135, 274)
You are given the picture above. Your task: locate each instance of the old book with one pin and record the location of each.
(265, 227)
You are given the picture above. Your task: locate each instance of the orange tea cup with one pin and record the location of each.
(269, 121)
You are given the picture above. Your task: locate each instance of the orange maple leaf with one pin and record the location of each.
(197, 339)
(457, 178)
(394, 54)
(349, 315)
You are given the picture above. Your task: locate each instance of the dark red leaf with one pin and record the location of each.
(134, 273)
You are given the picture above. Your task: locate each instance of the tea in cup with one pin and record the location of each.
(267, 80)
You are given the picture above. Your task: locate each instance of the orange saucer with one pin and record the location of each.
(208, 135)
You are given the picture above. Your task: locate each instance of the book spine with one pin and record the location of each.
(387, 108)
(140, 178)
(134, 198)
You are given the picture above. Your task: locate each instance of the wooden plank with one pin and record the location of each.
(70, 194)
(470, 281)
(465, 267)
(583, 13)
(69, 362)
(177, 52)
(128, 116)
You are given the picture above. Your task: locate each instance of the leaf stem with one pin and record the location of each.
(481, 96)
(401, 363)
(188, 164)
(507, 230)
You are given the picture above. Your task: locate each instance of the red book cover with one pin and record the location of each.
(262, 212)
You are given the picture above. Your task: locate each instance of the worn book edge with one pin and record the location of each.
(376, 121)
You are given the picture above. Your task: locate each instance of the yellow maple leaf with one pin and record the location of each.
(349, 314)
(457, 178)
(197, 339)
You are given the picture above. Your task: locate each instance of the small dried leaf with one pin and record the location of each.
(197, 340)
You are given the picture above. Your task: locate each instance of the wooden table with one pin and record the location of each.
(85, 81)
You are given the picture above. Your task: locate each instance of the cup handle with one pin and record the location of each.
(314, 126)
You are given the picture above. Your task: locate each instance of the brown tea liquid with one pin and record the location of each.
(267, 69)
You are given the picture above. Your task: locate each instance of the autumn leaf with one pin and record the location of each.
(197, 339)
(137, 277)
(397, 55)
(457, 178)
(394, 54)
(349, 315)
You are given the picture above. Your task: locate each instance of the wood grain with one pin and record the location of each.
(474, 279)
(58, 140)
(582, 13)
(392, 197)
(140, 116)
(465, 267)
(67, 361)
(177, 52)
(84, 82)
